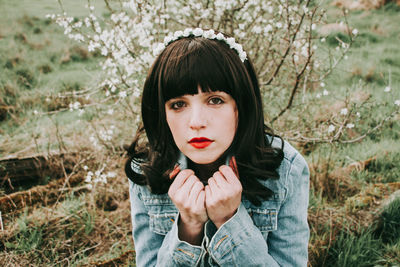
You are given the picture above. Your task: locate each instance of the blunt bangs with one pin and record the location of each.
(193, 62)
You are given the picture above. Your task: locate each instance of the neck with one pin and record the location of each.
(206, 171)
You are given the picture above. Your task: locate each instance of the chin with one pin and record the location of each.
(202, 160)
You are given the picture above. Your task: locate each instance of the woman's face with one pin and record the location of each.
(203, 125)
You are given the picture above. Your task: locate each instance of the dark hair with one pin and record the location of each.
(184, 66)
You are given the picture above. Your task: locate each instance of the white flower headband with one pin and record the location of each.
(209, 34)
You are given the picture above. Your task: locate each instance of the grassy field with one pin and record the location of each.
(67, 223)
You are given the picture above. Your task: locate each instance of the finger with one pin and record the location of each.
(187, 187)
(233, 165)
(220, 180)
(180, 179)
(213, 185)
(200, 202)
(194, 192)
(174, 172)
(208, 193)
(229, 175)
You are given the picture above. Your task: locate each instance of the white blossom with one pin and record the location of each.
(257, 29)
(267, 29)
(350, 125)
(397, 102)
(122, 94)
(111, 174)
(387, 89)
(331, 128)
(343, 111)
(88, 178)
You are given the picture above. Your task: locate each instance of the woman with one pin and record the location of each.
(213, 186)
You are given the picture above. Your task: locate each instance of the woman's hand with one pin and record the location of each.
(187, 193)
(223, 195)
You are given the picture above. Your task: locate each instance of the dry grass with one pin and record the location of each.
(71, 224)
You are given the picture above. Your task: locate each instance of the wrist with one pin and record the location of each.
(190, 232)
(218, 223)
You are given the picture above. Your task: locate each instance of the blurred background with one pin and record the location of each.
(70, 85)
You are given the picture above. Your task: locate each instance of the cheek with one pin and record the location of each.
(175, 125)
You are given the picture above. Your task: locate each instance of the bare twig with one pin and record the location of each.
(294, 90)
(1, 223)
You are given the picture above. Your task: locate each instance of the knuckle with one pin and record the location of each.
(237, 189)
(217, 174)
(198, 186)
(224, 168)
(186, 172)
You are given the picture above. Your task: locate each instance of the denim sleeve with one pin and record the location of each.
(288, 245)
(239, 242)
(158, 250)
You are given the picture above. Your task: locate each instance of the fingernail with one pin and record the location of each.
(174, 172)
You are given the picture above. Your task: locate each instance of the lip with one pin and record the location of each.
(200, 142)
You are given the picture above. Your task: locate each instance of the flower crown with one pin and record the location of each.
(209, 34)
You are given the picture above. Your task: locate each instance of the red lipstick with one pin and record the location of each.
(200, 142)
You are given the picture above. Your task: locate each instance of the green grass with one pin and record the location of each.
(388, 229)
(370, 246)
(374, 57)
(372, 64)
(354, 250)
(38, 61)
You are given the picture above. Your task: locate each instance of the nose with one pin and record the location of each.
(198, 118)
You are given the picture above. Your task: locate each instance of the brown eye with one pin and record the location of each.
(216, 101)
(177, 105)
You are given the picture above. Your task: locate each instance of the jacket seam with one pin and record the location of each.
(288, 188)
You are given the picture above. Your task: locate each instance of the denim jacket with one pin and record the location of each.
(275, 233)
